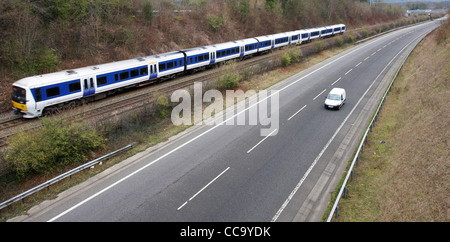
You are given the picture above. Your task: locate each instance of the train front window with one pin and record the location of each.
(19, 95)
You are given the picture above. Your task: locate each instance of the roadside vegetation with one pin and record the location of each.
(45, 36)
(403, 173)
(102, 31)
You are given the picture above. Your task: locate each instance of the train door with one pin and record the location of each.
(153, 72)
(89, 88)
(273, 43)
(242, 51)
(212, 57)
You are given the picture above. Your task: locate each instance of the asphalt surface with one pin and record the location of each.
(231, 172)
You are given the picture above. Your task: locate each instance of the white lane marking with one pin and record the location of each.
(358, 64)
(296, 112)
(336, 81)
(367, 58)
(261, 141)
(373, 53)
(348, 72)
(202, 189)
(275, 217)
(319, 94)
(207, 131)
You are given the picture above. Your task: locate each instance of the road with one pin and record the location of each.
(231, 172)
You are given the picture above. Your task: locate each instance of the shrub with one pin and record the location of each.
(148, 12)
(285, 59)
(52, 146)
(340, 41)
(229, 81)
(214, 22)
(351, 39)
(319, 46)
(365, 33)
(162, 103)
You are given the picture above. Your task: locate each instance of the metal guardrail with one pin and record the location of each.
(344, 190)
(62, 176)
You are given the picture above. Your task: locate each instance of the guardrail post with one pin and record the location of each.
(345, 191)
(337, 208)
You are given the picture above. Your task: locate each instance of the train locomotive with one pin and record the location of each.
(48, 93)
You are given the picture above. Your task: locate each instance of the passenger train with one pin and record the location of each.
(45, 94)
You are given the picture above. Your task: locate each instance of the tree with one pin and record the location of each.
(148, 12)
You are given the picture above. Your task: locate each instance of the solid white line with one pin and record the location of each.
(261, 140)
(319, 94)
(203, 188)
(336, 81)
(296, 112)
(358, 64)
(275, 217)
(207, 131)
(348, 72)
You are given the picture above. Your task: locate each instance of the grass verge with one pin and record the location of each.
(403, 173)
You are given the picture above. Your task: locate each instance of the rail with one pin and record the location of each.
(62, 176)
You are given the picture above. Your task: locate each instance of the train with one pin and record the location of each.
(45, 94)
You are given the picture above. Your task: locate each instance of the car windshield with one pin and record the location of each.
(335, 97)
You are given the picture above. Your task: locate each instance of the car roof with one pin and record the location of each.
(337, 90)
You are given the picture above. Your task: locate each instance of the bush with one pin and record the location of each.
(351, 39)
(229, 81)
(52, 146)
(163, 106)
(340, 41)
(285, 59)
(214, 22)
(319, 46)
(365, 33)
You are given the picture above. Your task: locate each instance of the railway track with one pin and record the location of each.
(136, 98)
(127, 101)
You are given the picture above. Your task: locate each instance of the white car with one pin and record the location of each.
(335, 99)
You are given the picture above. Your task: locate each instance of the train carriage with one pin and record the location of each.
(36, 95)
(198, 58)
(264, 43)
(280, 40)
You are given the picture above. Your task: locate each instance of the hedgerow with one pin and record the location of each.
(55, 144)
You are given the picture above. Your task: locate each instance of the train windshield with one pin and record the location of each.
(18, 95)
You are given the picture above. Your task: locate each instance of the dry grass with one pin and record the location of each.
(407, 177)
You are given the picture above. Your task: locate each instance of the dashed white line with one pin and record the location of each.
(319, 94)
(261, 141)
(336, 81)
(358, 64)
(379, 49)
(348, 71)
(198, 136)
(275, 217)
(203, 188)
(367, 58)
(373, 53)
(296, 112)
